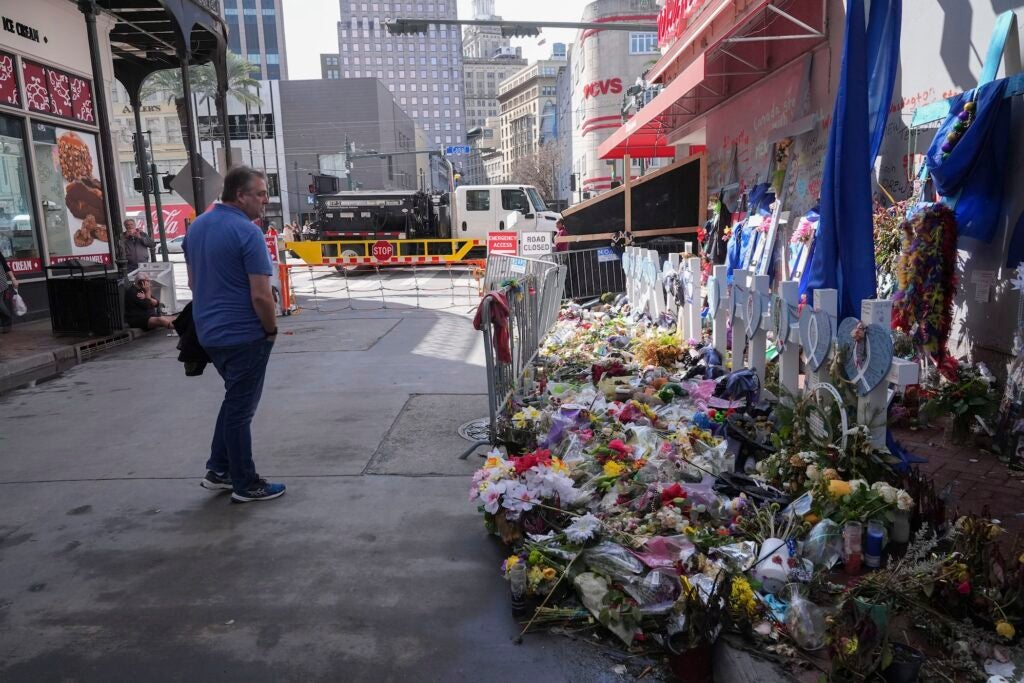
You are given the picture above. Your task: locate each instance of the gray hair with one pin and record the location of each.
(237, 180)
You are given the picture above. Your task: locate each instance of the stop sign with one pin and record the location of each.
(383, 250)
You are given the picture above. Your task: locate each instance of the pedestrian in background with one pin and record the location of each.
(8, 286)
(561, 235)
(135, 245)
(233, 311)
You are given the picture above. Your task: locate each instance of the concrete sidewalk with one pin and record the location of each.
(31, 352)
(116, 566)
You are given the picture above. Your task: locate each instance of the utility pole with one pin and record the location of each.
(156, 198)
(159, 214)
(298, 196)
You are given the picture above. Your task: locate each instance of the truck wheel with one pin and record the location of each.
(351, 270)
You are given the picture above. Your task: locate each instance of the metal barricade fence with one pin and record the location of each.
(593, 272)
(533, 305)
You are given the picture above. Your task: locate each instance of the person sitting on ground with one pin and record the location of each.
(142, 309)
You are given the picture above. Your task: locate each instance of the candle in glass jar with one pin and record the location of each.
(875, 543)
(852, 533)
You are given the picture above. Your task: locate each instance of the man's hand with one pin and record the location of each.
(263, 301)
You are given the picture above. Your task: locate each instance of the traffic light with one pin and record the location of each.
(143, 157)
(324, 184)
(405, 27)
(143, 184)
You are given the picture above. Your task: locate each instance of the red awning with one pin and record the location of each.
(645, 135)
(768, 37)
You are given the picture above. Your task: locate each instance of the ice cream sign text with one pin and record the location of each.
(20, 29)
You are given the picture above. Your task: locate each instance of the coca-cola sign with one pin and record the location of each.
(675, 17)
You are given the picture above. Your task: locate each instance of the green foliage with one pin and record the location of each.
(970, 396)
(241, 85)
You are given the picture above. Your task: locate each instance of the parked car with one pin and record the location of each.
(173, 246)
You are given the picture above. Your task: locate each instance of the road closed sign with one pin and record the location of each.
(535, 243)
(503, 243)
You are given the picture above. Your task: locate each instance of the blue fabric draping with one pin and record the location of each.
(743, 239)
(972, 177)
(870, 55)
(1015, 254)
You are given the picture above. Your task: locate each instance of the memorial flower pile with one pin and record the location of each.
(622, 508)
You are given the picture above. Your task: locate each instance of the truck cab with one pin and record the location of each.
(480, 209)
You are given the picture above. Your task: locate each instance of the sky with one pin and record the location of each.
(311, 27)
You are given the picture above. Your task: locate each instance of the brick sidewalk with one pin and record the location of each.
(975, 477)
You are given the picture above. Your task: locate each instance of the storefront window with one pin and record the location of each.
(74, 214)
(18, 239)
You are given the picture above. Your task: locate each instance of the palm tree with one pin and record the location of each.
(241, 85)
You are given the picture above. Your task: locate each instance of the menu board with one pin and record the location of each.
(73, 200)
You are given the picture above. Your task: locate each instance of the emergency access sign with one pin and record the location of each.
(503, 243)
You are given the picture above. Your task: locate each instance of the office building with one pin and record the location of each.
(423, 72)
(484, 42)
(325, 119)
(563, 103)
(482, 77)
(330, 68)
(256, 32)
(491, 156)
(604, 65)
(488, 59)
(529, 117)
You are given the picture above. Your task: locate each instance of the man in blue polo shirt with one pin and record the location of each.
(229, 272)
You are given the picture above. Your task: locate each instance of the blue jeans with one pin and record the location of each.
(243, 368)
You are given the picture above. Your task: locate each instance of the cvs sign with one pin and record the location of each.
(608, 86)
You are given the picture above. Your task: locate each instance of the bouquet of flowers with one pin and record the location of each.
(857, 501)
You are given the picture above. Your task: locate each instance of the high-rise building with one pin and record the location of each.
(482, 77)
(529, 113)
(563, 95)
(256, 33)
(423, 72)
(488, 60)
(483, 42)
(605, 64)
(362, 116)
(330, 66)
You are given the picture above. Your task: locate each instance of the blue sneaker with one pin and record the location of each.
(216, 481)
(261, 490)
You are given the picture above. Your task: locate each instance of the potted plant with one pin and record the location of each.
(969, 397)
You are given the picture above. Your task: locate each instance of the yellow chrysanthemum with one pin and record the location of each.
(1006, 630)
(838, 489)
(612, 469)
(512, 561)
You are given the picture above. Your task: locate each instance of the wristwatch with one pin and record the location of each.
(272, 333)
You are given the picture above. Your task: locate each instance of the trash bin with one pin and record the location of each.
(85, 298)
